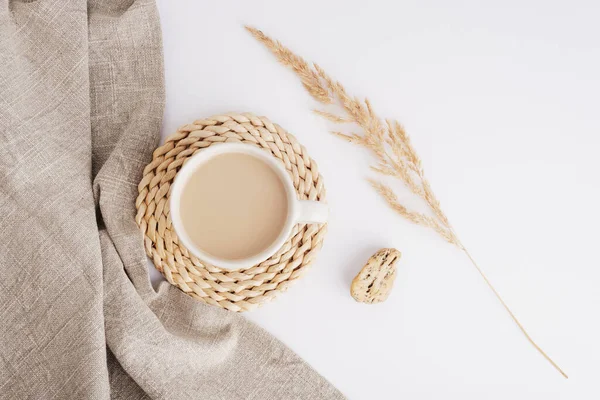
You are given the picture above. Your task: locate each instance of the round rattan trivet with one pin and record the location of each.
(241, 290)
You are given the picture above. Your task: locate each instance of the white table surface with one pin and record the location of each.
(502, 102)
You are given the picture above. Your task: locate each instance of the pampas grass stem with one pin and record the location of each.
(392, 149)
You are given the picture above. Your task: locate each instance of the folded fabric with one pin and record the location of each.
(81, 102)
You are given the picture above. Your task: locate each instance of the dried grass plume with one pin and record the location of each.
(388, 142)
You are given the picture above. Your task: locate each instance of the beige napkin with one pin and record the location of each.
(81, 101)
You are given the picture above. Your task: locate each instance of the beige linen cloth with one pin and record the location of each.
(81, 101)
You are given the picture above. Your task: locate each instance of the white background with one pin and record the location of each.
(502, 103)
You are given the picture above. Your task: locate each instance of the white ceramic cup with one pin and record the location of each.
(299, 211)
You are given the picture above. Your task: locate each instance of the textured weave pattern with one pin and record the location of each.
(81, 102)
(234, 290)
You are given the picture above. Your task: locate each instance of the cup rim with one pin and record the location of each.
(192, 164)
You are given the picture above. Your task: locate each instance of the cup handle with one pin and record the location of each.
(312, 212)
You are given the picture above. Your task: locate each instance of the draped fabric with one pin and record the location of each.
(81, 102)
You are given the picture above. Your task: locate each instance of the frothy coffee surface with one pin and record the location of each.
(233, 206)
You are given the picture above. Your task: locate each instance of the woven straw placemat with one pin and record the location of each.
(240, 290)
